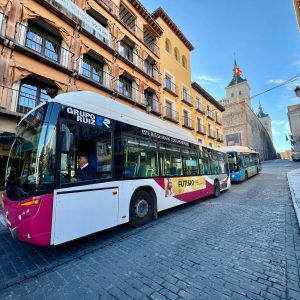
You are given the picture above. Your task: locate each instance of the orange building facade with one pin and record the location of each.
(112, 47)
(185, 102)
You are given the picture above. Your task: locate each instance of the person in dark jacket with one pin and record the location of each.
(85, 170)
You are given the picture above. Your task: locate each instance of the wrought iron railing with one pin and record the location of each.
(170, 86)
(210, 114)
(96, 74)
(187, 122)
(131, 93)
(153, 103)
(110, 6)
(200, 107)
(187, 98)
(171, 114)
(201, 129)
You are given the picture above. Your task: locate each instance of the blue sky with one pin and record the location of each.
(264, 36)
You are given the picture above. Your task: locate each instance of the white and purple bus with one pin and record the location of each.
(139, 166)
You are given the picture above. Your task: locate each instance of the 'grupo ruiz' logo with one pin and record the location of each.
(88, 118)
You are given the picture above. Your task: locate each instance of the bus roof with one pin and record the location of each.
(240, 149)
(110, 108)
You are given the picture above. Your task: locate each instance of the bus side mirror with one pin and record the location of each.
(67, 139)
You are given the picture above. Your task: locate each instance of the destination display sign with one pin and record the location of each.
(164, 137)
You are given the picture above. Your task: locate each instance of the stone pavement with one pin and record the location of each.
(294, 184)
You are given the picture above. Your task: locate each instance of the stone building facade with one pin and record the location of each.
(241, 125)
(265, 120)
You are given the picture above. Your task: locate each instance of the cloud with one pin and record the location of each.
(277, 81)
(205, 79)
(277, 123)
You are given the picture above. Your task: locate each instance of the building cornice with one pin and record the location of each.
(147, 16)
(207, 96)
(159, 12)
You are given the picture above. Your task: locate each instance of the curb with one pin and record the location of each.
(292, 191)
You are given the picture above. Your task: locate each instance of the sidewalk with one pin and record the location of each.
(294, 184)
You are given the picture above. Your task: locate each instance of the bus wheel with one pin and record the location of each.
(217, 190)
(141, 209)
(246, 176)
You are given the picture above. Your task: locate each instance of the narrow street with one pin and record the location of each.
(243, 245)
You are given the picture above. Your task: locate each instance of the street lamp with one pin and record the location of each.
(297, 91)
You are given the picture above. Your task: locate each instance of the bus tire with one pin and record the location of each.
(257, 171)
(217, 190)
(141, 208)
(246, 175)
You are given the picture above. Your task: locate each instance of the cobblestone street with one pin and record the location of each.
(243, 245)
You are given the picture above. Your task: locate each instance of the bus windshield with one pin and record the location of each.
(24, 168)
(232, 161)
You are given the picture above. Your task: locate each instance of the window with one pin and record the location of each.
(200, 125)
(168, 82)
(185, 94)
(169, 109)
(232, 95)
(92, 69)
(204, 167)
(126, 51)
(33, 93)
(186, 118)
(149, 67)
(184, 62)
(43, 42)
(90, 158)
(200, 141)
(140, 158)
(176, 54)
(190, 164)
(210, 145)
(125, 87)
(171, 160)
(168, 46)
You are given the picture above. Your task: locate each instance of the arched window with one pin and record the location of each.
(184, 62)
(168, 46)
(176, 54)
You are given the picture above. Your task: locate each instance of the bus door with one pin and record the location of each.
(87, 199)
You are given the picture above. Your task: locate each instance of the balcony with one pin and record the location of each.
(171, 114)
(200, 107)
(171, 87)
(211, 134)
(151, 71)
(218, 120)
(150, 42)
(187, 122)
(186, 98)
(131, 95)
(210, 114)
(129, 21)
(201, 129)
(96, 76)
(110, 6)
(220, 138)
(41, 47)
(154, 104)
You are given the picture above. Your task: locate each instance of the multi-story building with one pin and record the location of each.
(241, 125)
(110, 47)
(265, 120)
(54, 46)
(185, 103)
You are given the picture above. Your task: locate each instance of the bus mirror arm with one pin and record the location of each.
(67, 139)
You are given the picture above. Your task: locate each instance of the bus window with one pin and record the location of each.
(140, 158)
(190, 164)
(204, 166)
(171, 160)
(90, 156)
(222, 164)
